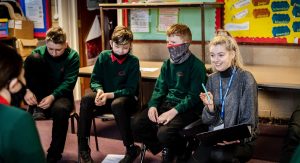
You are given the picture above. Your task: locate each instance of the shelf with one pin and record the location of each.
(160, 5)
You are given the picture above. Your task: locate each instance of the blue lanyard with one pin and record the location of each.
(222, 98)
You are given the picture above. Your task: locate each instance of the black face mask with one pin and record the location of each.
(17, 97)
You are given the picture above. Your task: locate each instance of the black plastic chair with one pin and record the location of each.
(189, 133)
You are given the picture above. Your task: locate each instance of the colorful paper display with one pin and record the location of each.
(263, 21)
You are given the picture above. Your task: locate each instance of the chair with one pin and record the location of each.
(73, 116)
(143, 152)
(189, 132)
(104, 117)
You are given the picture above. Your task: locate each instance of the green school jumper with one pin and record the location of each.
(180, 84)
(19, 139)
(64, 72)
(111, 76)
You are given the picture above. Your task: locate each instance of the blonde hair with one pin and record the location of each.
(180, 30)
(224, 38)
(56, 35)
(122, 35)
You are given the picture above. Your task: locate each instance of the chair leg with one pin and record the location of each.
(72, 124)
(74, 116)
(143, 152)
(78, 143)
(95, 132)
(79, 160)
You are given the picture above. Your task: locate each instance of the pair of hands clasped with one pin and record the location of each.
(45, 103)
(101, 97)
(164, 118)
(167, 116)
(210, 105)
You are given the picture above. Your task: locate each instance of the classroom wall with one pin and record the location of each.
(272, 103)
(252, 54)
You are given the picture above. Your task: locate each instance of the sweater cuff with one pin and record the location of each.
(116, 94)
(209, 112)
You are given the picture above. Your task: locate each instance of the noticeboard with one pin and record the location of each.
(38, 11)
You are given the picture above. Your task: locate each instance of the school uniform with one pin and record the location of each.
(120, 76)
(19, 139)
(178, 86)
(290, 149)
(46, 75)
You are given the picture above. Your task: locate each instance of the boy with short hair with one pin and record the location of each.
(174, 102)
(114, 82)
(19, 139)
(51, 73)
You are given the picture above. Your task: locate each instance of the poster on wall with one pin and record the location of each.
(263, 21)
(139, 20)
(167, 17)
(37, 11)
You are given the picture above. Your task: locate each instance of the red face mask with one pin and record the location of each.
(173, 45)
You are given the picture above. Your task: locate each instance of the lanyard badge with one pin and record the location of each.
(222, 98)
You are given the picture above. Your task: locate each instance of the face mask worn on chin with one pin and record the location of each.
(179, 53)
(120, 56)
(17, 97)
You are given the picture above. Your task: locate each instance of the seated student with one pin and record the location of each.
(292, 139)
(174, 102)
(51, 73)
(233, 100)
(114, 81)
(19, 139)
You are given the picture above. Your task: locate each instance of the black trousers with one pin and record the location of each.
(122, 109)
(39, 82)
(60, 113)
(155, 137)
(292, 139)
(223, 154)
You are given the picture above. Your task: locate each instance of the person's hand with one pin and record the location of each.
(153, 114)
(205, 101)
(97, 98)
(229, 142)
(103, 98)
(30, 98)
(46, 102)
(167, 116)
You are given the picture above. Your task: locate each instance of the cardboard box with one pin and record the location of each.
(21, 29)
(25, 46)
